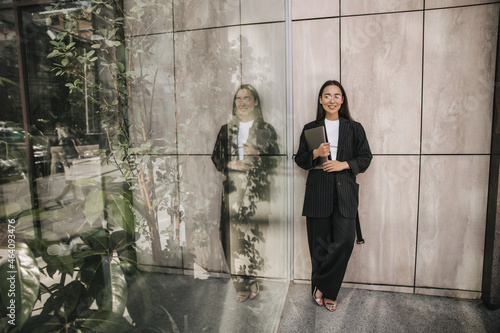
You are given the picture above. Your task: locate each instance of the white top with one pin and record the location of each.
(243, 131)
(332, 131)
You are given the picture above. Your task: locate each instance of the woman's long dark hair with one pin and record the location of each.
(257, 111)
(344, 109)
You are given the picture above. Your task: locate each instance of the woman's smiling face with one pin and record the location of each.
(245, 104)
(331, 100)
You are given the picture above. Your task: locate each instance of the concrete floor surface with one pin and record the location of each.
(374, 311)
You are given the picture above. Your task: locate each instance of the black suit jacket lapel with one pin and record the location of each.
(341, 146)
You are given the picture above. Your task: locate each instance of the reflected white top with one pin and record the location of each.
(243, 131)
(332, 131)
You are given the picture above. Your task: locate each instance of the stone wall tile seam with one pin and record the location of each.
(226, 26)
(461, 6)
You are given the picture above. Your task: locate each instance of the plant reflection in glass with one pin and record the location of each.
(95, 274)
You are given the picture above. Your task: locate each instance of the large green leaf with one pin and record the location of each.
(42, 324)
(25, 277)
(107, 180)
(94, 205)
(83, 256)
(114, 294)
(119, 211)
(69, 301)
(106, 322)
(86, 182)
(98, 239)
(128, 256)
(120, 240)
(61, 263)
(106, 282)
(91, 275)
(139, 292)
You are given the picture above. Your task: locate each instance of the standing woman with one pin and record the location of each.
(245, 152)
(331, 197)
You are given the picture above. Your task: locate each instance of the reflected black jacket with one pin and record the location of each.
(262, 137)
(322, 187)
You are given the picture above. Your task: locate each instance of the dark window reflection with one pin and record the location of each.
(12, 152)
(52, 108)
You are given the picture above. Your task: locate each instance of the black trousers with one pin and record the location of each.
(331, 241)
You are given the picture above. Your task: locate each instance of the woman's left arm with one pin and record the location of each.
(359, 155)
(362, 154)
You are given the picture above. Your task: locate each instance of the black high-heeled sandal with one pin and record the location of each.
(319, 301)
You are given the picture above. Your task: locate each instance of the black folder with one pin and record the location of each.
(314, 137)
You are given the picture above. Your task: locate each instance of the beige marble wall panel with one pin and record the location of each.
(357, 7)
(452, 215)
(459, 56)
(153, 94)
(453, 3)
(388, 217)
(263, 66)
(302, 9)
(147, 17)
(256, 11)
(196, 14)
(207, 74)
(301, 257)
(312, 66)
(381, 73)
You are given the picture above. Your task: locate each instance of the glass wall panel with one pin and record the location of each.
(162, 185)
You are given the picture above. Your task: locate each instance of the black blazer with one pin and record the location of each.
(322, 187)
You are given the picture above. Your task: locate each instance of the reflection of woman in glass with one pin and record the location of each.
(58, 154)
(245, 153)
(331, 198)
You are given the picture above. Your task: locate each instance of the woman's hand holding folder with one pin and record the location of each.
(322, 151)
